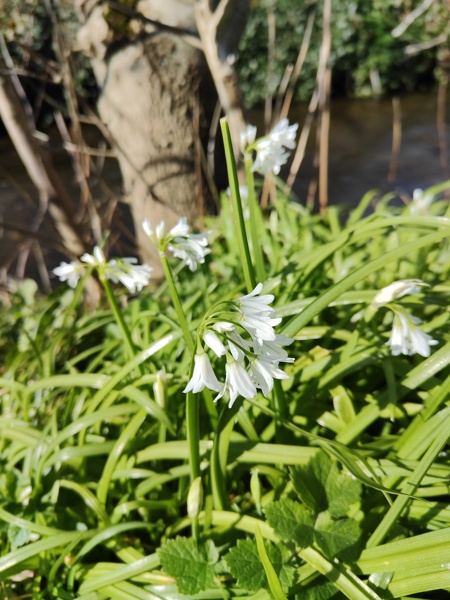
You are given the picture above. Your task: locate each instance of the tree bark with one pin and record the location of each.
(156, 101)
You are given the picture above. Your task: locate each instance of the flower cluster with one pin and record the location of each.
(191, 248)
(270, 150)
(406, 337)
(126, 270)
(242, 331)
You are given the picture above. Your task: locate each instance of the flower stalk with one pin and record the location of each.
(255, 221)
(118, 316)
(238, 213)
(177, 303)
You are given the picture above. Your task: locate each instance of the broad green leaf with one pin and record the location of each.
(337, 538)
(245, 565)
(322, 486)
(323, 590)
(191, 565)
(291, 521)
(18, 536)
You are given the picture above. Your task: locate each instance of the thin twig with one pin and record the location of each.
(298, 65)
(411, 17)
(442, 126)
(396, 139)
(302, 141)
(270, 67)
(324, 85)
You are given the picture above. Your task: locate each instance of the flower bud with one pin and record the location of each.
(255, 489)
(160, 389)
(195, 498)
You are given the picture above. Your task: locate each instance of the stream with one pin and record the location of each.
(360, 151)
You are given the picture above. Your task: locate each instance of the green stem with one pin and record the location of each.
(119, 318)
(247, 265)
(219, 454)
(256, 222)
(193, 439)
(177, 303)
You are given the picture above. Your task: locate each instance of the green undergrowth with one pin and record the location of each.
(335, 487)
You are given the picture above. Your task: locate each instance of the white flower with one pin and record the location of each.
(260, 327)
(223, 326)
(212, 341)
(406, 338)
(237, 382)
(420, 203)
(191, 248)
(70, 272)
(247, 137)
(238, 341)
(264, 371)
(397, 290)
(273, 349)
(202, 376)
(256, 315)
(126, 270)
(251, 304)
(95, 259)
(254, 349)
(155, 234)
(270, 150)
(269, 157)
(284, 134)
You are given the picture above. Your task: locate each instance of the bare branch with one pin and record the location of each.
(409, 19)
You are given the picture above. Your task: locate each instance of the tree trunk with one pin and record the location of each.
(156, 102)
(149, 102)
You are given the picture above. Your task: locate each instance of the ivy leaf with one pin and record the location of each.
(337, 538)
(291, 521)
(245, 565)
(322, 486)
(190, 564)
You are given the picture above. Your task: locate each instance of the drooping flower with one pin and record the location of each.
(126, 270)
(155, 234)
(70, 272)
(263, 371)
(284, 134)
(407, 338)
(191, 248)
(256, 314)
(247, 137)
(243, 332)
(95, 259)
(212, 340)
(202, 376)
(270, 150)
(396, 290)
(237, 382)
(274, 348)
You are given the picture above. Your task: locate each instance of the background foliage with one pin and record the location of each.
(361, 43)
(94, 480)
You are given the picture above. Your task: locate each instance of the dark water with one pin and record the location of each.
(361, 147)
(359, 159)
